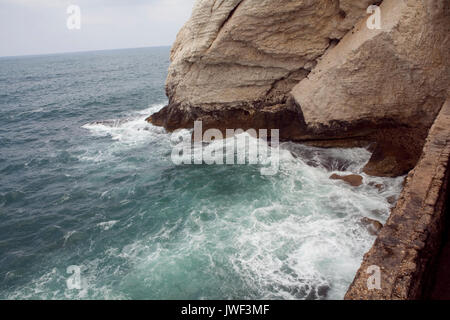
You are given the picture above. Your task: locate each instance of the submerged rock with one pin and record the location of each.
(373, 226)
(354, 180)
(378, 213)
(378, 186)
(323, 291)
(391, 199)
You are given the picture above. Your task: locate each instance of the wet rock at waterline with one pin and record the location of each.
(352, 179)
(372, 225)
(379, 186)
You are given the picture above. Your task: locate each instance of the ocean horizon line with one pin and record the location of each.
(80, 51)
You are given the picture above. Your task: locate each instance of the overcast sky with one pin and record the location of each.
(40, 26)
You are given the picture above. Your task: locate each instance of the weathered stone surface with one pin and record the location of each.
(354, 180)
(247, 55)
(439, 287)
(396, 77)
(408, 244)
(399, 73)
(269, 117)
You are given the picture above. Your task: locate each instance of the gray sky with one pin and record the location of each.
(39, 26)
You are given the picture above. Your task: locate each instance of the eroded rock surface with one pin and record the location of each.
(399, 73)
(235, 61)
(355, 180)
(394, 77)
(315, 71)
(408, 244)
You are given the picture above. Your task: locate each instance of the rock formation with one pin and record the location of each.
(354, 180)
(315, 71)
(373, 226)
(409, 243)
(235, 61)
(394, 77)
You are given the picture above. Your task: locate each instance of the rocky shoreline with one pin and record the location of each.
(408, 246)
(316, 71)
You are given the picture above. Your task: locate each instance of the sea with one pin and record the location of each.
(93, 207)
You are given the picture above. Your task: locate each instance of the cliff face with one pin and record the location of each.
(315, 71)
(395, 77)
(399, 73)
(407, 247)
(237, 52)
(235, 58)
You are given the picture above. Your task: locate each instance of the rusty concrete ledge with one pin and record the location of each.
(409, 243)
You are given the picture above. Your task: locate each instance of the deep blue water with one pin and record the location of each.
(85, 181)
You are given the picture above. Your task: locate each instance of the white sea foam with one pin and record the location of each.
(91, 287)
(312, 239)
(107, 225)
(306, 243)
(303, 240)
(128, 132)
(131, 130)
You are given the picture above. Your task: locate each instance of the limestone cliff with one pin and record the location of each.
(235, 58)
(397, 76)
(315, 71)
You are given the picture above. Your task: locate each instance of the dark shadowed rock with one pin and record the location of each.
(378, 213)
(323, 291)
(392, 199)
(378, 186)
(372, 225)
(354, 180)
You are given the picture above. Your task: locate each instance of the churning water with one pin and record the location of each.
(85, 181)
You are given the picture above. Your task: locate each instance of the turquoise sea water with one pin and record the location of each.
(85, 181)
